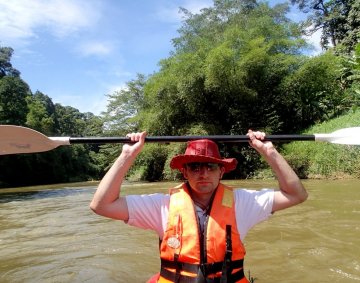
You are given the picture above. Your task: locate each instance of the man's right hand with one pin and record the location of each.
(135, 148)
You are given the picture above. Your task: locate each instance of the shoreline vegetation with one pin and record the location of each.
(309, 159)
(319, 160)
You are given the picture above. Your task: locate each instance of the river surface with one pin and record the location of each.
(49, 234)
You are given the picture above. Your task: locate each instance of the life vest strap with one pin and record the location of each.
(227, 267)
(211, 268)
(207, 268)
(171, 276)
(178, 265)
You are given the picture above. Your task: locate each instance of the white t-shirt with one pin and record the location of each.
(151, 211)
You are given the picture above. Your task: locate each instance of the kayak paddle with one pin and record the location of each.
(17, 139)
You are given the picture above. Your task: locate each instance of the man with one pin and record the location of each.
(201, 223)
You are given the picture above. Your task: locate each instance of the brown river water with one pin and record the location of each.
(49, 234)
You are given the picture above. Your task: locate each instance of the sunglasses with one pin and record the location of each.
(198, 166)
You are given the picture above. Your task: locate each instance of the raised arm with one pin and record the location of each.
(291, 191)
(107, 200)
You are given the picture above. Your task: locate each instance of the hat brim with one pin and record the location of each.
(179, 161)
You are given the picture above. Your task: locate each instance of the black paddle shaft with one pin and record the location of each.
(168, 139)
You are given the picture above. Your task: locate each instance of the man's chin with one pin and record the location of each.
(205, 187)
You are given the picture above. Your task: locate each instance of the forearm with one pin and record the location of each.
(109, 188)
(292, 191)
(107, 200)
(288, 180)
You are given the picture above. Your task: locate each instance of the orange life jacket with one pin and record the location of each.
(187, 255)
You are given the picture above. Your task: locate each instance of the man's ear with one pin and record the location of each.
(222, 171)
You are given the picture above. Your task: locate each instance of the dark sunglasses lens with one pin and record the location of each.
(212, 166)
(196, 167)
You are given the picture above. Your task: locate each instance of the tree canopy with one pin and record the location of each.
(6, 68)
(338, 20)
(237, 65)
(19, 106)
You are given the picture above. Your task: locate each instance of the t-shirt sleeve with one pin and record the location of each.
(148, 211)
(252, 207)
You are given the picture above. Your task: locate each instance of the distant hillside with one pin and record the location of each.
(326, 160)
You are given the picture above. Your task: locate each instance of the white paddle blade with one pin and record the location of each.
(16, 139)
(350, 136)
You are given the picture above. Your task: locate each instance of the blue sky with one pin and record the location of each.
(77, 51)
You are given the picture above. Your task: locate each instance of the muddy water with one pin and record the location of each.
(48, 234)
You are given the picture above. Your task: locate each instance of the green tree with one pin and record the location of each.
(69, 121)
(339, 21)
(13, 105)
(6, 68)
(121, 116)
(41, 113)
(123, 107)
(236, 67)
(313, 92)
(19, 106)
(13, 91)
(228, 59)
(350, 78)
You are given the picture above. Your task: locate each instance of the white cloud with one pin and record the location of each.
(21, 20)
(96, 48)
(314, 40)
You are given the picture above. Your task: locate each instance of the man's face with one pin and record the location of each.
(203, 177)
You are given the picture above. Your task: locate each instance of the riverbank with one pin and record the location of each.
(314, 160)
(53, 186)
(267, 174)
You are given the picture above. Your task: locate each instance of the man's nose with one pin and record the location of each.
(203, 170)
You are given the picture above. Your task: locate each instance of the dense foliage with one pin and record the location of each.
(19, 106)
(237, 65)
(338, 20)
(313, 160)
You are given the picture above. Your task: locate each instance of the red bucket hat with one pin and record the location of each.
(202, 151)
